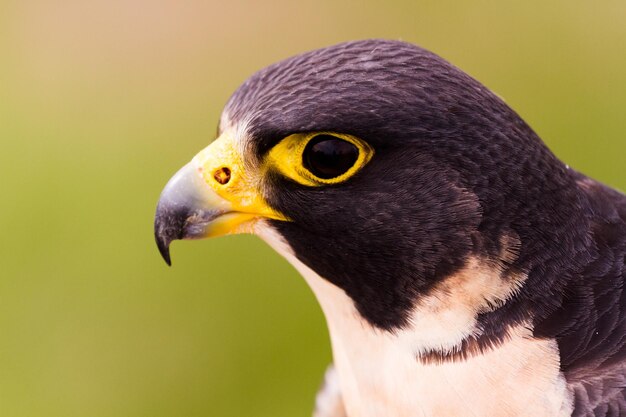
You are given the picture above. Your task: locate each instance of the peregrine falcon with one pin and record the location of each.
(462, 268)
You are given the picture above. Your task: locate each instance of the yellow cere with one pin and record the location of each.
(242, 190)
(286, 158)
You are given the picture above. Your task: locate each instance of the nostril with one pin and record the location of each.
(222, 175)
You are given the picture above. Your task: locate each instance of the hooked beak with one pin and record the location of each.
(186, 208)
(210, 196)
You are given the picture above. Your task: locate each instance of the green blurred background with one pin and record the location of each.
(101, 101)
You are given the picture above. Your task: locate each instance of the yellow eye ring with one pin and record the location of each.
(288, 157)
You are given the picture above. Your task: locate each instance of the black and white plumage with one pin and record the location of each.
(462, 268)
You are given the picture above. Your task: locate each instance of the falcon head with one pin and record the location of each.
(385, 170)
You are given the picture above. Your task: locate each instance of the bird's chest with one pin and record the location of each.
(380, 374)
(378, 379)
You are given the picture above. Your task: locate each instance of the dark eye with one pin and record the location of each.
(328, 157)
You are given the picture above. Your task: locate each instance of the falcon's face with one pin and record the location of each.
(371, 160)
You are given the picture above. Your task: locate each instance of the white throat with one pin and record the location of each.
(380, 375)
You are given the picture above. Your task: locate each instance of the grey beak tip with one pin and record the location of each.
(164, 249)
(167, 227)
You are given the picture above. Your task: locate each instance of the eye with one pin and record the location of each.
(328, 156)
(315, 159)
